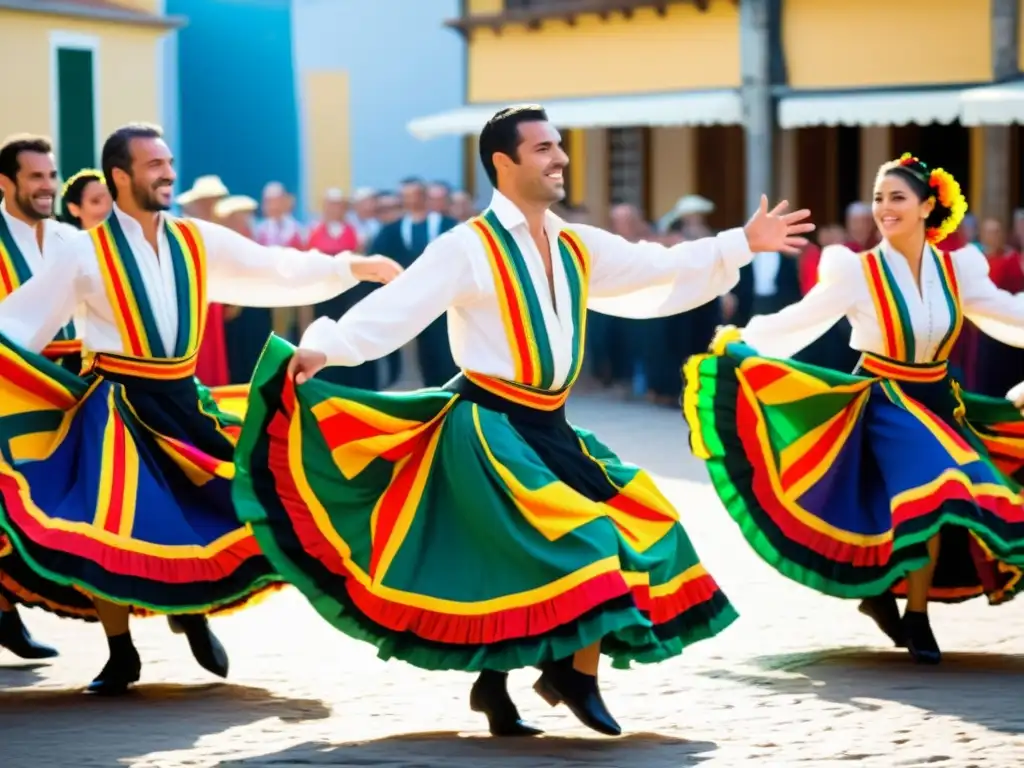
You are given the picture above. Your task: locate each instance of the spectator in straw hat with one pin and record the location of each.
(198, 202)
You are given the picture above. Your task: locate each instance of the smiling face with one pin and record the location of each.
(538, 175)
(151, 181)
(897, 209)
(35, 186)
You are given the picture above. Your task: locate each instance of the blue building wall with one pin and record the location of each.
(402, 64)
(231, 50)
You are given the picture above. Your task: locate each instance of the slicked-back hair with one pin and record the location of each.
(501, 134)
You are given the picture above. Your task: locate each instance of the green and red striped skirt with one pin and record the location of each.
(839, 481)
(458, 529)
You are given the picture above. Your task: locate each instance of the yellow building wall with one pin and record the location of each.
(126, 72)
(673, 167)
(685, 49)
(484, 7)
(146, 6)
(1020, 36)
(328, 142)
(840, 44)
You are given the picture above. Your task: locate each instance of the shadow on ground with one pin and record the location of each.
(161, 717)
(20, 674)
(434, 750)
(974, 687)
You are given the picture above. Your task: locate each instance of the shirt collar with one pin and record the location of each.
(129, 224)
(16, 225)
(510, 216)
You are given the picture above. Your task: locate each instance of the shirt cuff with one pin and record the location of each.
(734, 247)
(343, 265)
(322, 336)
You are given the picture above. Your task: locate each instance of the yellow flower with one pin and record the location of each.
(947, 192)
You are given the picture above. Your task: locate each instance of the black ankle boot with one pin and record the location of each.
(121, 670)
(886, 614)
(14, 636)
(206, 648)
(561, 683)
(920, 641)
(489, 696)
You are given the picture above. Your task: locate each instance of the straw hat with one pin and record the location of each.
(234, 204)
(685, 206)
(204, 188)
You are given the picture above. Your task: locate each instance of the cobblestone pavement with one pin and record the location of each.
(799, 680)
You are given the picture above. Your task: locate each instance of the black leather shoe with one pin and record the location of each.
(15, 638)
(921, 643)
(560, 683)
(489, 696)
(883, 610)
(206, 648)
(121, 670)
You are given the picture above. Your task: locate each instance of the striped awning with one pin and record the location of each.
(720, 107)
(920, 107)
(1001, 104)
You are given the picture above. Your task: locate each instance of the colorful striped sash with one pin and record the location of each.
(127, 293)
(897, 370)
(157, 369)
(523, 318)
(894, 314)
(14, 271)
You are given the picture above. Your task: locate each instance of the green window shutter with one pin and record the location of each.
(76, 111)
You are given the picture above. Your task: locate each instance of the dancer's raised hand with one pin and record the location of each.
(776, 230)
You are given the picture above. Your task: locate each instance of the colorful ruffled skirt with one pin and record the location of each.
(118, 484)
(463, 530)
(839, 481)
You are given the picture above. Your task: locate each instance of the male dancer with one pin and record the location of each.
(473, 528)
(124, 495)
(28, 232)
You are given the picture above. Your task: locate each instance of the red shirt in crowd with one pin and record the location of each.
(332, 238)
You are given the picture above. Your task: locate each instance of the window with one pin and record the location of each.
(627, 166)
(74, 102)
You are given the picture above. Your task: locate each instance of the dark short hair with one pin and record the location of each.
(410, 181)
(117, 150)
(12, 148)
(501, 134)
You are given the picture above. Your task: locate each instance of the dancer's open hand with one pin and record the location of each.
(376, 269)
(777, 231)
(305, 364)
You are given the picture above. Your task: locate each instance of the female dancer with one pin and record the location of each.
(85, 199)
(887, 482)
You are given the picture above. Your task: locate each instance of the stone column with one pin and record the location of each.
(995, 198)
(758, 114)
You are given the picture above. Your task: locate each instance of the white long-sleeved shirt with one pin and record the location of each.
(843, 290)
(24, 235)
(637, 280)
(239, 271)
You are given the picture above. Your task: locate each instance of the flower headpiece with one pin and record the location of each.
(90, 172)
(945, 191)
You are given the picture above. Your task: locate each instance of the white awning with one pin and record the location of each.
(871, 108)
(993, 105)
(690, 108)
